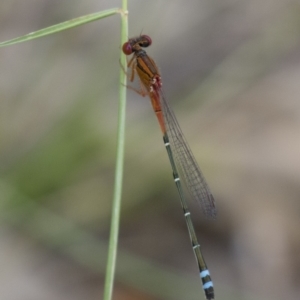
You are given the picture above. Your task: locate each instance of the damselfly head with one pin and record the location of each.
(144, 41)
(127, 48)
(133, 44)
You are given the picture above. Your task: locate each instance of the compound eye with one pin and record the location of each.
(127, 49)
(145, 41)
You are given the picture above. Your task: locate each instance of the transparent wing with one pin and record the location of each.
(186, 162)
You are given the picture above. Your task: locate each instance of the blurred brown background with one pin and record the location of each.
(231, 72)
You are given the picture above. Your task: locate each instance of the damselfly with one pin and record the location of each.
(180, 155)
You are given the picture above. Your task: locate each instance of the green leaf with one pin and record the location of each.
(61, 26)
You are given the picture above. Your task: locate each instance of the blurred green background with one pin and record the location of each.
(231, 72)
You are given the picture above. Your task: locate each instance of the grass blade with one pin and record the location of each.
(61, 26)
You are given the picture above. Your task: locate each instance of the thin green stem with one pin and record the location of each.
(116, 205)
(61, 26)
